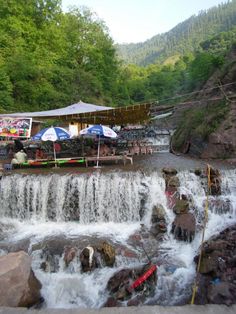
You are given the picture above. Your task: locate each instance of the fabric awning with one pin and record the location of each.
(92, 114)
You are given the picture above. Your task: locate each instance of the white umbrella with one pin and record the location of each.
(52, 134)
(99, 130)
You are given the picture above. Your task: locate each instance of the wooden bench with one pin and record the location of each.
(46, 162)
(115, 158)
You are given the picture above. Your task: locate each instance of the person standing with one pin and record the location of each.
(18, 146)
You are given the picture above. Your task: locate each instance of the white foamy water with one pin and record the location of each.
(180, 253)
(86, 199)
(113, 206)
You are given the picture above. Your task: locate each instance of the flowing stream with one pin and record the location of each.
(112, 206)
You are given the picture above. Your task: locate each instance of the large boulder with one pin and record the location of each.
(18, 285)
(221, 292)
(184, 227)
(218, 269)
(158, 220)
(120, 288)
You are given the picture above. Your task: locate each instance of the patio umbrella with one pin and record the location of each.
(52, 134)
(101, 131)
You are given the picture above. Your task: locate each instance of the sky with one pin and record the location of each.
(132, 21)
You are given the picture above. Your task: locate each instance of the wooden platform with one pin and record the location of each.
(115, 158)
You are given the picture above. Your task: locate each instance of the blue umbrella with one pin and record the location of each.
(99, 130)
(52, 134)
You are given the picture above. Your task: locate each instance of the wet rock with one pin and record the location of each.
(54, 245)
(120, 279)
(218, 269)
(119, 285)
(209, 263)
(135, 237)
(181, 206)
(158, 228)
(201, 294)
(87, 259)
(220, 206)
(173, 182)
(158, 213)
(212, 246)
(198, 172)
(50, 261)
(18, 285)
(69, 254)
(158, 220)
(112, 302)
(172, 196)
(184, 227)
(108, 254)
(222, 293)
(136, 301)
(94, 257)
(21, 245)
(215, 182)
(130, 254)
(169, 171)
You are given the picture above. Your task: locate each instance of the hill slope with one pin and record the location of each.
(183, 38)
(209, 125)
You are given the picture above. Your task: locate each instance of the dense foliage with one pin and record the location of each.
(50, 59)
(183, 38)
(196, 123)
(189, 73)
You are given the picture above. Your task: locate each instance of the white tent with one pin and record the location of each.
(78, 108)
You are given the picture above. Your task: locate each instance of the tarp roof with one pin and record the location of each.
(92, 114)
(75, 109)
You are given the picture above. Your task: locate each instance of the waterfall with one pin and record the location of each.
(96, 198)
(110, 205)
(221, 214)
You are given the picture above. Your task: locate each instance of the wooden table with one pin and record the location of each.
(115, 158)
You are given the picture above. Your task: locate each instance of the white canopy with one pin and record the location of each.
(80, 107)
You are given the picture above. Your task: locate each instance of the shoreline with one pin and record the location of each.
(144, 163)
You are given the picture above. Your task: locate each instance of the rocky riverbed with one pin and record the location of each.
(93, 237)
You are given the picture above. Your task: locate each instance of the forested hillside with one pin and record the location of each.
(182, 39)
(49, 59)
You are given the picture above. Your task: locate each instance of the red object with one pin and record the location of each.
(57, 147)
(144, 277)
(171, 200)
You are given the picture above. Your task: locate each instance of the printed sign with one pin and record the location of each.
(15, 127)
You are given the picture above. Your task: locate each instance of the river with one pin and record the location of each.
(47, 210)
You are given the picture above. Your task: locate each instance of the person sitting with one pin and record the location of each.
(104, 150)
(92, 151)
(39, 154)
(19, 158)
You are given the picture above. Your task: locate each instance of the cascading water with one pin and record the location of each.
(111, 206)
(84, 199)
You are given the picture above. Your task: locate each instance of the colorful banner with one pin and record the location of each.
(15, 127)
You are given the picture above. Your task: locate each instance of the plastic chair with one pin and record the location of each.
(8, 167)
